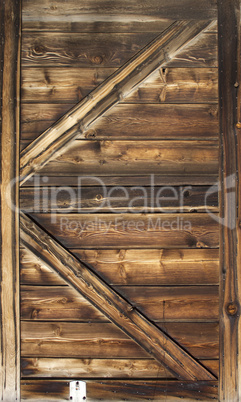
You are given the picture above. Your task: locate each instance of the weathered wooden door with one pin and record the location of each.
(121, 163)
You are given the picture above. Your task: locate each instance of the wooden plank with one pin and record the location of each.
(200, 53)
(115, 231)
(10, 32)
(41, 180)
(166, 85)
(44, 367)
(52, 84)
(104, 340)
(117, 87)
(178, 85)
(111, 303)
(157, 303)
(132, 121)
(98, 158)
(84, 49)
(50, 49)
(110, 390)
(107, 199)
(132, 267)
(35, 16)
(153, 122)
(230, 280)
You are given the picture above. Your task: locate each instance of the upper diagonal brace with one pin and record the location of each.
(110, 303)
(119, 85)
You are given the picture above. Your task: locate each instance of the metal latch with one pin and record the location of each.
(77, 391)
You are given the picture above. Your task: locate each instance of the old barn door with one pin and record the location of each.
(119, 211)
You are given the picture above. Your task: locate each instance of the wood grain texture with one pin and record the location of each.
(10, 32)
(125, 316)
(132, 121)
(203, 52)
(114, 231)
(230, 280)
(44, 367)
(109, 199)
(85, 49)
(109, 390)
(41, 180)
(166, 85)
(51, 16)
(98, 158)
(182, 303)
(105, 341)
(108, 50)
(119, 85)
(133, 267)
(141, 121)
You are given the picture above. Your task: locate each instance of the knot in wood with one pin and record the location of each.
(97, 59)
(232, 309)
(39, 49)
(99, 197)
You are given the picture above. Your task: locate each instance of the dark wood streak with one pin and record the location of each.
(116, 308)
(230, 279)
(10, 92)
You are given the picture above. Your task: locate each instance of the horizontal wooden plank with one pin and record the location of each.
(54, 84)
(133, 267)
(180, 303)
(44, 367)
(201, 52)
(116, 199)
(137, 121)
(82, 49)
(178, 85)
(105, 340)
(132, 230)
(127, 180)
(109, 390)
(141, 121)
(98, 22)
(108, 49)
(36, 16)
(98, 158)
(167, 85)
(37, 118)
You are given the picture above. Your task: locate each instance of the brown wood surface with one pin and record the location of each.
(139, 122)
(122, 313)
(109, 199)
(84, 49)
(133, 267)
(104, 340)
(108, 49)
(230, 264)
(167, 85)
(44, 367)
(135, 121)
(108, 390)
(51, 16)
(114, 231)
(135, 158)
(182, 303)
(10, 32)
(42, 180)
(114, 89)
